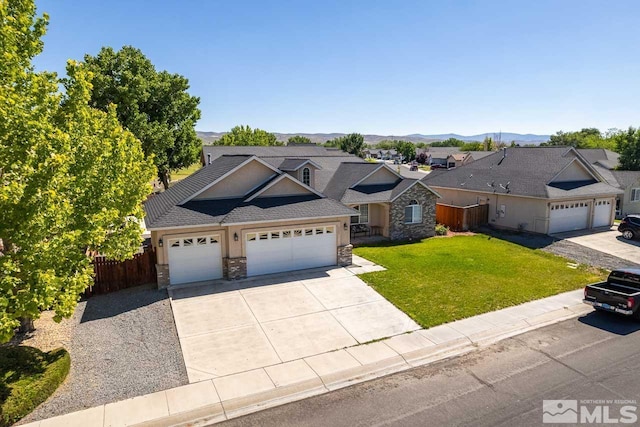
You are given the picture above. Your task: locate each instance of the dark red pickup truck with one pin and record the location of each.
(619, 294)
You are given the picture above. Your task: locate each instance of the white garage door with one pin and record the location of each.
(290, 249)
(568, 216)
(602, 213)
(194, 259)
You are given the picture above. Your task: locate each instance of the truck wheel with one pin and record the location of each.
(628, 234)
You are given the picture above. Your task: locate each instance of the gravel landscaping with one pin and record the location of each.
(564, 248)
(122, 345)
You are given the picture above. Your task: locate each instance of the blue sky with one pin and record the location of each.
(377, 67)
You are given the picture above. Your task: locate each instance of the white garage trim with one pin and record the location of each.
(194, 258)
(291, 248)
(568, 216)
(602, 213)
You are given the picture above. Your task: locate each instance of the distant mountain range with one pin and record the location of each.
(319, 138)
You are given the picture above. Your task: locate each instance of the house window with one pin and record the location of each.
(413, 213)
(306, 176)
(635, 194)
(187, 242)
(363, 218)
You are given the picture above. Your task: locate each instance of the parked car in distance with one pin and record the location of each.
(619, 294)
(438, 166)
(630, 226)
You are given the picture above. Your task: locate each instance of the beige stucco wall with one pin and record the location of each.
(626, 205)
(285, 187)
(238, 183)
(381, 176)
(379, 216)
(233, 249)
(531, 213)
(574, 172)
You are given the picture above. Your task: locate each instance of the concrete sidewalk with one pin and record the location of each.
(239, 394)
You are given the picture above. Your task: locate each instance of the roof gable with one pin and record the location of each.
(573, 172)
(238, 182)
(158, 205)
(291, 165)
(383, 174)
(284, 186)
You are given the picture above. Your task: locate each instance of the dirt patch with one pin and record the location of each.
(48, 335)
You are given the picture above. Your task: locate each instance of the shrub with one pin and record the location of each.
(441, 230)
(28, 377)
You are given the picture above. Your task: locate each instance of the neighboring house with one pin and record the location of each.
(372, 153)
(605, 161)
(539, 189)
(261, 210)
(629, 201)
(458, 159)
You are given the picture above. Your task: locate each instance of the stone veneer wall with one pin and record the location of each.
(345, 255)
(234, 268)
(427, 228)
(162, 273)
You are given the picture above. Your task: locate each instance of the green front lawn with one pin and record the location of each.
(183, 173)
(28, 377)
(439, 280)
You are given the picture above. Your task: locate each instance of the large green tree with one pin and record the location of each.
(298, 139)
(450, 142)
(406, 149)
(352, 143)
(244, 135)
(154, 105)
(628, 145)
(584, 138)
(72, 179)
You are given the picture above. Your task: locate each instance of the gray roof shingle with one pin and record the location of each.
(346, 175)
(524, 171)
(161, 204)
(626, 178)
(376, 193)
(606, 158)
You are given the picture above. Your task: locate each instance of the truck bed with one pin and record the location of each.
(611, 297)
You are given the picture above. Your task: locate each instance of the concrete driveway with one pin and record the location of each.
(609, 241)
(231, 327)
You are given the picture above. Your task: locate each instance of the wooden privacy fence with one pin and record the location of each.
(462, 218)
(111, 276)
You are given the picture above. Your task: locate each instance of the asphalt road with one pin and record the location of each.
(594, 357)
